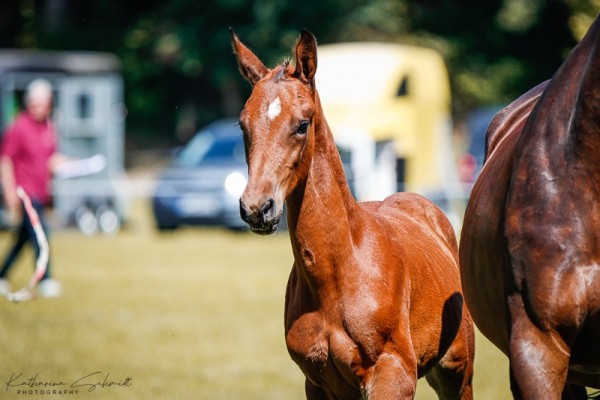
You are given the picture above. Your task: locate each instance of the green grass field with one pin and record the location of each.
(196, 314)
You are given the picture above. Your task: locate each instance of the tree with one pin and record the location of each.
(179, 71)
(496, 50)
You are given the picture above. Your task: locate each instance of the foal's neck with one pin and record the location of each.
(319, 209)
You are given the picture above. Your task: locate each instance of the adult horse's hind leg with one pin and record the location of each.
(452, 377)
(538, 359)
(313, 392)
(574, 392)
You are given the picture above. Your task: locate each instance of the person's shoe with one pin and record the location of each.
(49, 288)
(4, 287)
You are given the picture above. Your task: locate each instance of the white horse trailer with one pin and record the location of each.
(89, 114)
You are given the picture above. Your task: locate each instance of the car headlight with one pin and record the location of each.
(235, 183)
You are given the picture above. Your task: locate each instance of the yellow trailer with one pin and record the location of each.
(399, 96)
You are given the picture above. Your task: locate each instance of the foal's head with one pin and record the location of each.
(277, 122)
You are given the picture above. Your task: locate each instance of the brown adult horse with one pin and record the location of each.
(530, 244)
(374, 298)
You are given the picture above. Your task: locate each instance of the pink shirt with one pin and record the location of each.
(30, 144)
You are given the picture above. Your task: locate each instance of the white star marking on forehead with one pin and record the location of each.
(274, 109)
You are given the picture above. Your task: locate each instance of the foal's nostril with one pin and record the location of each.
(258, 216)
(243, 212)
(268, 208)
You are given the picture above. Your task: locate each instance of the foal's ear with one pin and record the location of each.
(306, 57)
(250, 65)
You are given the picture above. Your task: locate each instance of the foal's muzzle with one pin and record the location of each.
(262, 218)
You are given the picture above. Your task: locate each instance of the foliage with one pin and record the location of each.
(180, 73)
(497, 50)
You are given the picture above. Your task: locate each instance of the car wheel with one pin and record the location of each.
(166, 227)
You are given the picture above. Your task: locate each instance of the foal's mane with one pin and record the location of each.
(284, 70)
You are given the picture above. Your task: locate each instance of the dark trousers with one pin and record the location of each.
(25, 233)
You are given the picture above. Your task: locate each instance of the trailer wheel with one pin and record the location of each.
(108, 219)
(86, 220)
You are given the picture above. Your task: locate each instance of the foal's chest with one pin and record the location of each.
(324, 353)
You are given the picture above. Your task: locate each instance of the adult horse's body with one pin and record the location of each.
(374, 298)
(530, 244)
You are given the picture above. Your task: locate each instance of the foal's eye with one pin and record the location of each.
(302, 128)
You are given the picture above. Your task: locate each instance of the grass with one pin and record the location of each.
(196, 314)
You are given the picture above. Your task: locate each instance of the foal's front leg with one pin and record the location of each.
(452, 377)
(391, 378)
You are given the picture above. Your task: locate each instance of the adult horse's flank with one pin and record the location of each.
(374, 297)
(530, 244)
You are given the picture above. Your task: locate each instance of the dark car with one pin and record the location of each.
(204, 183)
(470, 163)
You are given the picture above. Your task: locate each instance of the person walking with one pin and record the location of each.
(28, 155)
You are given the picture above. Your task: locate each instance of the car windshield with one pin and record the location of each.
(207, 148)
(223, 149)
(194, 150)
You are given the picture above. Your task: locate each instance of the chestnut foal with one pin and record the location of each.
(374, 297)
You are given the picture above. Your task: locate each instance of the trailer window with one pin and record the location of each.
(84, 106)
(403, 88)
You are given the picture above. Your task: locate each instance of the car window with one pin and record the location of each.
(225, 149)
(195, 150)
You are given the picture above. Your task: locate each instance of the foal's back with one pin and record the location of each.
(413, 213)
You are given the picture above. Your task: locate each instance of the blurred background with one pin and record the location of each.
(145, 248)
(136, 81)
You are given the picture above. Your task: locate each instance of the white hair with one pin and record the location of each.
(38, 89)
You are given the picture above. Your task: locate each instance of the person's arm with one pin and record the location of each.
(66, 167)
(56, 161)
(9, 187)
